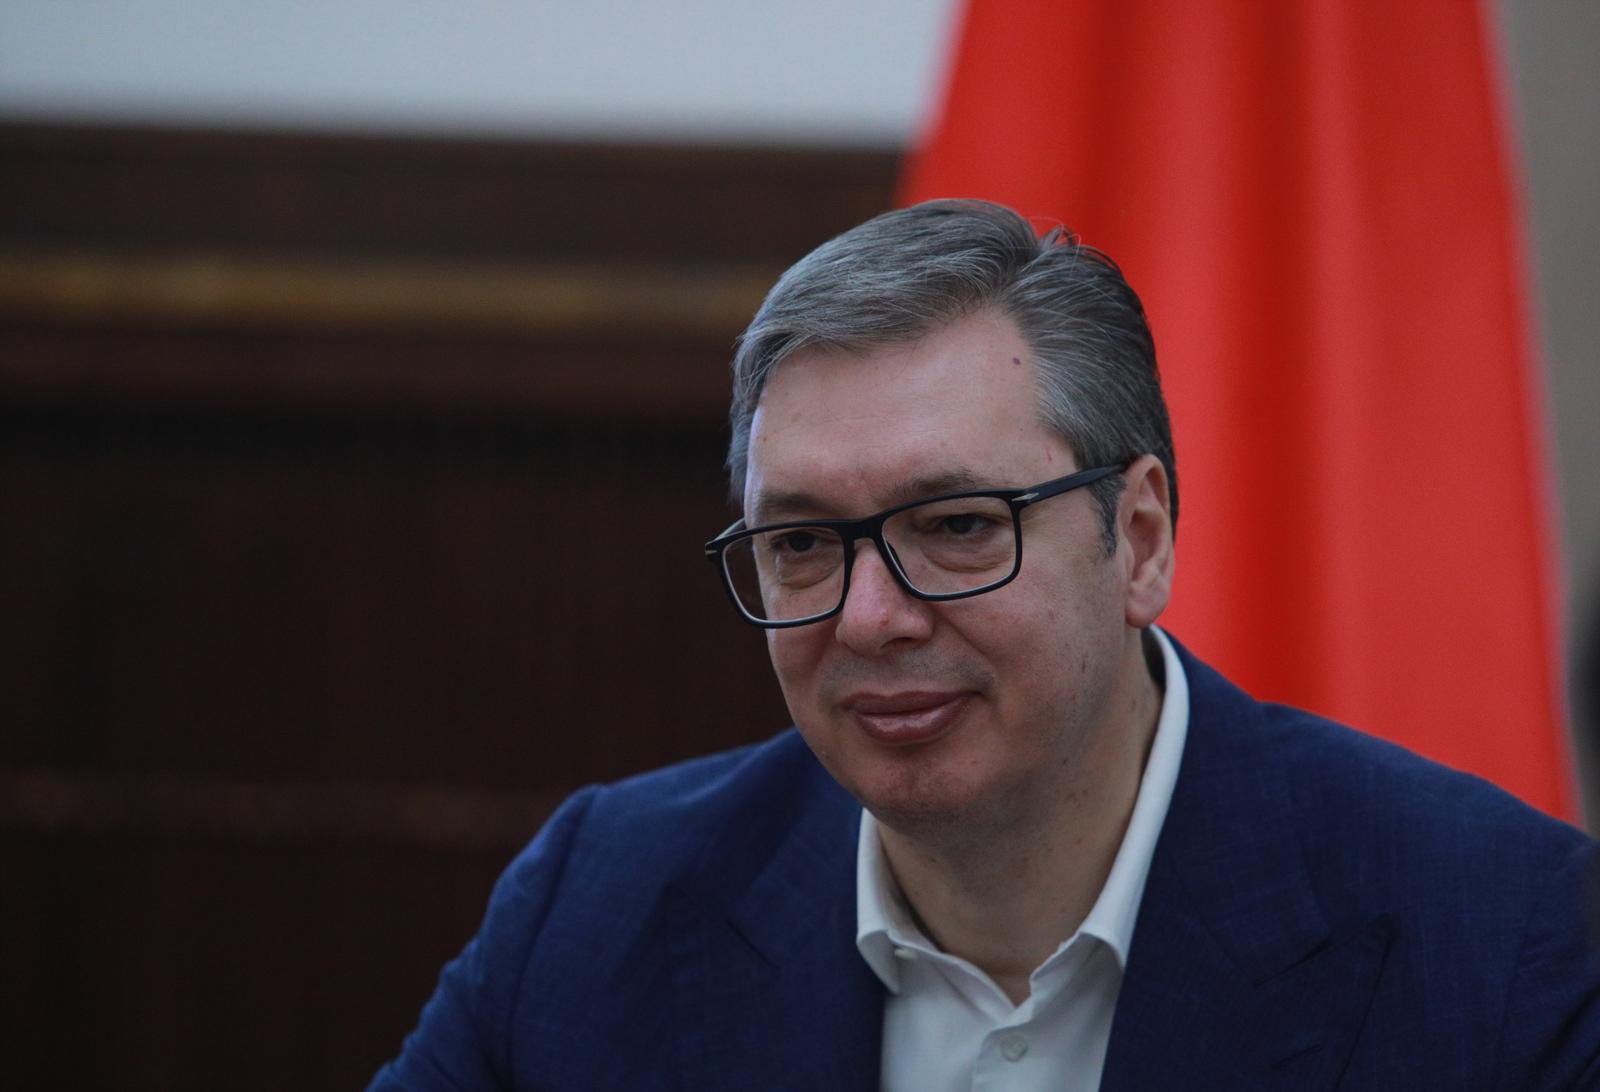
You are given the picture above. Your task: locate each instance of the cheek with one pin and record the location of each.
(1054, 624)
(794, 655)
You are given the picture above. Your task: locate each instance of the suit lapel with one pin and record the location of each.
(770, 988)
(1235, 979)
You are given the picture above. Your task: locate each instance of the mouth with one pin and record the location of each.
(907, 717)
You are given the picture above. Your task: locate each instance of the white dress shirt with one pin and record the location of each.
(948, 1026)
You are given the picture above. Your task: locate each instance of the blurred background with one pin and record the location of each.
(362, 396)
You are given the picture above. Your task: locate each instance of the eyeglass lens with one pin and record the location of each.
(942, 547)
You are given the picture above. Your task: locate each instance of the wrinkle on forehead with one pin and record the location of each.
(839, 433)
(777, 505)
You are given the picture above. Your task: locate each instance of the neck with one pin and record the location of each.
(1006, 898)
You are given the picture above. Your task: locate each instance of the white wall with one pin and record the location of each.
(1552, 46)
(840, 71)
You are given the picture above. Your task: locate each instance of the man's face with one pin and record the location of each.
(970, 709)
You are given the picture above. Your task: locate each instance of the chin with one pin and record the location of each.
(928, 789)
(927, 801)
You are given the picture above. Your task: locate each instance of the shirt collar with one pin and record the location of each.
(884, 922)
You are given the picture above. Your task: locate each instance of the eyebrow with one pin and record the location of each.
(780, 505)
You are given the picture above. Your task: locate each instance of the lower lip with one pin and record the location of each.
(916, 726)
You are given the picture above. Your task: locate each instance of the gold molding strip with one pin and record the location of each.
(462, 296)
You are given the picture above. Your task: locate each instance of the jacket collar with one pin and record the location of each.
(1235, 979)
(771, 989)
(1235, 970)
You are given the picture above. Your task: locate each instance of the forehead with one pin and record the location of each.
(857, 430)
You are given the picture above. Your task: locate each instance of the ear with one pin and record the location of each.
(1144, 540)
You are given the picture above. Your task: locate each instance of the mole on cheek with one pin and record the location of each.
(1016, 360)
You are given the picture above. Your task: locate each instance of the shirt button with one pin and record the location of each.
(1013, 1047)
(905, 953)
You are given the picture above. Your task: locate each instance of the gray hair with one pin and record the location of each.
(898, 276)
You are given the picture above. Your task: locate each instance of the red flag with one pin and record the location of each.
(1316, 203)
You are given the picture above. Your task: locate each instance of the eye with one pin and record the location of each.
(962, 523)
(957, 523)
(794, 542)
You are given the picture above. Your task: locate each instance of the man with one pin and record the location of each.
(1027, 841)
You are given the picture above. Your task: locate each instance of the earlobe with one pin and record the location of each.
(1145, 518)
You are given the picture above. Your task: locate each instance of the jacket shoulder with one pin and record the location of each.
(1349, 789)
(1363, 791)
(575, 948)
(711, 812)
(1299, 837)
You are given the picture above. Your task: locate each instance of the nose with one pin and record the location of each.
(878, 613)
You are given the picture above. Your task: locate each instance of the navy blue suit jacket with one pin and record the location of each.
(1323, 911)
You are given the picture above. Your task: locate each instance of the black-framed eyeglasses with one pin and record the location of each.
(938, 549)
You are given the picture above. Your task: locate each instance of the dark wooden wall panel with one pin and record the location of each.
(325, 577)
(286, 193)
(313, 577)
